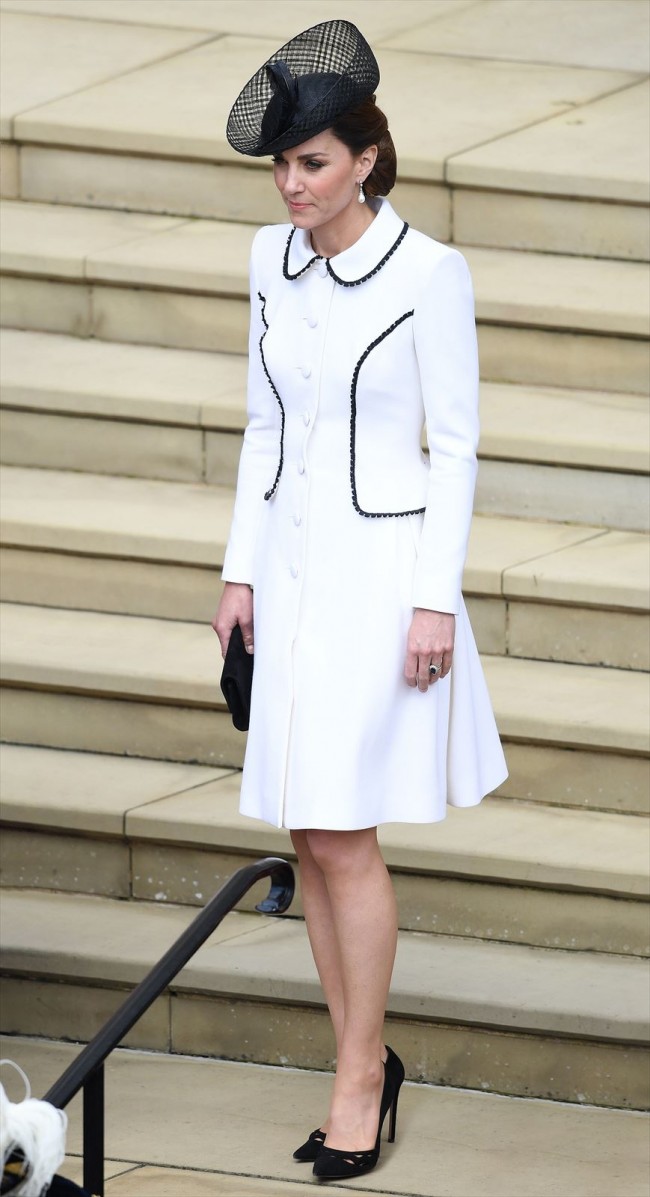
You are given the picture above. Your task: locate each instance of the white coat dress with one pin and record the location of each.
(342, 526)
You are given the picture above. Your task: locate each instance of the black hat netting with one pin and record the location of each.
(321, 73)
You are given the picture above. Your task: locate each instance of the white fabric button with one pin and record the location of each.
(294, 571)
(312, 321)
(297, 519)
(306, 419)
(322, 269)
(301, 466)
(306, 371)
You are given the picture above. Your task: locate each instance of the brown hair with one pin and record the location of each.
(361, 127)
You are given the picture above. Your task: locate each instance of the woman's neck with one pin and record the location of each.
(339, 234)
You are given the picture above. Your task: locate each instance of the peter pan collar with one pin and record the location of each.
(360, 261)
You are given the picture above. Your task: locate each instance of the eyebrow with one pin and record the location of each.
(307, 157)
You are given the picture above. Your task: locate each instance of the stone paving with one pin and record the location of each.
(183, 1127)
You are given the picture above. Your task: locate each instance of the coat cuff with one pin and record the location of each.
(433, 597)
(237, 567)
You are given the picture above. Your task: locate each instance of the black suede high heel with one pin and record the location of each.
(310, 1149)
(334, 1164)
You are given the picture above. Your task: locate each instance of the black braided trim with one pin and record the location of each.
(353, 428)
(273, 489)
(262, 300)
(285, 264)
(355, 282)
(342, 282)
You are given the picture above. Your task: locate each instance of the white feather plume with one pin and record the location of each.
(39, 1130)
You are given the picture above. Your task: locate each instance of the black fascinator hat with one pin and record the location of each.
(302, 88)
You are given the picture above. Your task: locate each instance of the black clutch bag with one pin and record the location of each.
(237, 679)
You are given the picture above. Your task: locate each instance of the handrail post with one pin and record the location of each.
(93, 1132)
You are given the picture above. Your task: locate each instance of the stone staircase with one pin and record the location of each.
(125, 239)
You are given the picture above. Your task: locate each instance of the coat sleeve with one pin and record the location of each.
(261, 447)
(446, 347)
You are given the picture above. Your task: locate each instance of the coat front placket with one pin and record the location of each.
(310, 298)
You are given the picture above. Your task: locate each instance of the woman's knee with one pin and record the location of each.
(301, 845)
(341, 850)
(298, 837)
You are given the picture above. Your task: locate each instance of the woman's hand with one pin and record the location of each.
(430, 642)
(236, 606)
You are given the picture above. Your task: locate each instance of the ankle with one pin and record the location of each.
(360, 1075)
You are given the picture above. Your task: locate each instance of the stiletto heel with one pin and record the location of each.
(335, 1164)
(392, 1125)
(397, 1072)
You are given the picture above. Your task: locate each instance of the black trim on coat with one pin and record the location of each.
(273, 489)
(353, 429)
(343, 282)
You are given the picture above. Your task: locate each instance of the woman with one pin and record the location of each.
(347, 546)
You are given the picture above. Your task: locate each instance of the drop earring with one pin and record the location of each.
(361, 196)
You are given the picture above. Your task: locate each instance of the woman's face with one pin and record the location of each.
(319, 179)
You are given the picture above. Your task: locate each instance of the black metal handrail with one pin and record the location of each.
(87, 1070)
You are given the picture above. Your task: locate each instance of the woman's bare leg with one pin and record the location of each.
(319, 919)
(320, 929)
(363, 914)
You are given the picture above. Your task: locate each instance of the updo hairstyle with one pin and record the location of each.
(364, 126)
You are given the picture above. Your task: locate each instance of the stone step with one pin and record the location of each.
(535, 188)
(121, 276)
(489, 213)
(484, 1143)
(486, 1015)
(545, 453)
(151, 830)
(150, 687)
(556, 454)
(141, 547)
(122, 139)
(93, 272)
